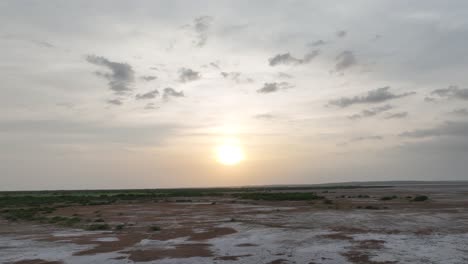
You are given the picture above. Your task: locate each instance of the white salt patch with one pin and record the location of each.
(107, 239)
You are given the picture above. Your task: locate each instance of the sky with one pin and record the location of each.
(138, 94)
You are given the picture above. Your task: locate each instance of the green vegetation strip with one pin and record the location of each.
(280, 196)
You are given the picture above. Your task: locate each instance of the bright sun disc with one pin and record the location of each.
(229, 154)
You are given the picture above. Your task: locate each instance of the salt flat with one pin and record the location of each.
(357, 226)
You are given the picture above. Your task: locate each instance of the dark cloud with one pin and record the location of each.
(454, 129)
(285, 58)
(371, 112)
(341, 33)
(148, 95)
(288, 59)
(170, 92)
(201, 25)
(317, 43)
(373, 96)
(429, 99)
(345, 60)
(236, 76)
(452, 92)
(120, 77)
(114, 102)
(148, 78)
(274, 86)
(397, 115)
(188, 75)
(460, 112)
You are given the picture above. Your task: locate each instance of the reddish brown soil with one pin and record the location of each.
(180, 251)
(36, 261)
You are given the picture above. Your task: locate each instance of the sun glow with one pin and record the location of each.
(229, 153)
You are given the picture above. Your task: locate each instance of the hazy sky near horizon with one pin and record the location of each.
(137, 94)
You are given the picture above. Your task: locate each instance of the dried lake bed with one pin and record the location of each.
(358, 225)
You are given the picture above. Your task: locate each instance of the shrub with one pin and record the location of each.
(155, 228)
(326, 201)
(420, 198)
(119, 227)
(387, 198)
(95, 227)
(278, 196)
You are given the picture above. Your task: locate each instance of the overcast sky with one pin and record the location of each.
(137, 94)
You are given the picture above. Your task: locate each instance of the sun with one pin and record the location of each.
(229, 154)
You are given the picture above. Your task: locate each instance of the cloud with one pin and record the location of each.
(40, 43)
(120, 77)
(285, 58)
(92, 132)
(274, 86)
(341, 33)
(264, 116)
(345, 60)
(148, 78)
(201, 25)
(428, 99)
(284, 75)
(460, 112)
(150, 106)
(114, 102)
(169, 92)
(452, 92)
(148, 95)
(288, 59)
(454, 129)
(357, 139)
(371, 112)
(397, 115)
(317, 43)
(372, 97)
(188, 75)
(236, 76)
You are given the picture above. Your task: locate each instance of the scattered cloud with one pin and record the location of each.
(170, 92)
(429, 99)
(284, 75)
(345, 60)
(148, 95)
(188, 75)
(397, 115)
(452, 92)
(201, 25)
(236, 76)
(317, 43)
(371, 112)
(341, 33)
(114, 102)
(274, 86)
(357, 139)
(378, 95)
(460, 112)
(150, 106)
(455, 129)
(288, 59)
(148, 78)
(121, 74)
(285, 58)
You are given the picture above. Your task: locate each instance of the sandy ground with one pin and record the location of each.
(234, 231)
